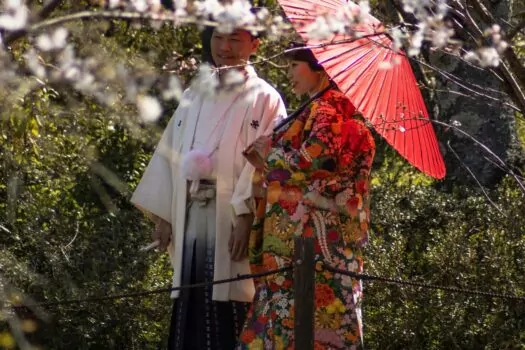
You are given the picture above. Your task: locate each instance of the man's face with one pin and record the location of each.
(232, 49)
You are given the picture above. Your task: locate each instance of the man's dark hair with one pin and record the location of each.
(168, 4)
(206, 43)
(208, 32)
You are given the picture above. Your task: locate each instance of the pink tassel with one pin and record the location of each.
(196, 165)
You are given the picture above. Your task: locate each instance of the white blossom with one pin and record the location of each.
(351, 19)
(114, 4)
(441, 36)
(72, 72)
(364, 11)
(471, 56)
(180, 7)
(68, 64)
(15, 15)
(417, 41)
(67, 55)
(319, 29)
(34, 65)
(384, 65)
(276, 28)
(410, 5)
(207, 8)
(484, 56)
(145, 5)
(397, 35)
(206, 81)
(44, 42)
(494, 32)
(489, 57)
(502, 46)
(263, 14)
(140, 5)
(236, 14)
(174, 89)
(85, 81)
(149, 108)
(59, 37)
(55, 41)
(232, 78)
(431, 25)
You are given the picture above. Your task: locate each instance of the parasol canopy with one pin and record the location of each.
(375, 76)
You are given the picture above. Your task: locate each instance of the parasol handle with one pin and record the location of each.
(301, 108)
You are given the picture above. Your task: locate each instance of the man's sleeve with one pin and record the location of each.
(242, 200)
(154, 191)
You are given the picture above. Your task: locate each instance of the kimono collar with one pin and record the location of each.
(250, 71)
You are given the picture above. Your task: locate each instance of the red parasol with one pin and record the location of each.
(376, 78)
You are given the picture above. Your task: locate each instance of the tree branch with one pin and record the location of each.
(516, 73)
(164, 16)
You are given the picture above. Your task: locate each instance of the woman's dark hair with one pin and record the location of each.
(301, 53)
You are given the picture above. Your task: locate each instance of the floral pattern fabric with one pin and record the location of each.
(317, 185)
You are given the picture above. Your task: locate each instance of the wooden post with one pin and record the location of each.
(304, 287)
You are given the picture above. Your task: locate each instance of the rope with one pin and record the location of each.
(156, 291)
(367, 277)
(359, 276)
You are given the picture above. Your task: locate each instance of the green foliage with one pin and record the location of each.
(453, 239)
(73, 233)
(520, 128)
(68, 229)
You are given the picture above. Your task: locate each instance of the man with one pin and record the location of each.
(198, 190)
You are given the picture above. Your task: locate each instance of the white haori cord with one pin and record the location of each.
(197, 163)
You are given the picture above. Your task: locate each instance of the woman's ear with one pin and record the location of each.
(324, 79)
(255, 45)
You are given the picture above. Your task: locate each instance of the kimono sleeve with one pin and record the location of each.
(352, 195)
(153, 194)
(273, 111)
(335, 159)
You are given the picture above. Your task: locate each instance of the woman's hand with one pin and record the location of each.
(256, 153)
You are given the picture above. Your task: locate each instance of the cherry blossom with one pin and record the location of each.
(15, 16)
(149, 108)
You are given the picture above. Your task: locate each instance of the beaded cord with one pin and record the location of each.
(320, 228)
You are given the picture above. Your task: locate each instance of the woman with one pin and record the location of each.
(316, 174)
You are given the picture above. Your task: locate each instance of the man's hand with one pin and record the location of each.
(263, 145)
(256, 153)
(238, 244)
(162, 233)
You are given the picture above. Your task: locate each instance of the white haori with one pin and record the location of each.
(163, 188)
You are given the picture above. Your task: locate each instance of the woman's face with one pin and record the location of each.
(304, 80)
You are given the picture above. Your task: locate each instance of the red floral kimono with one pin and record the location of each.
(317, 185)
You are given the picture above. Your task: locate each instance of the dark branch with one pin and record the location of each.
(514, 73)
(519, 27)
